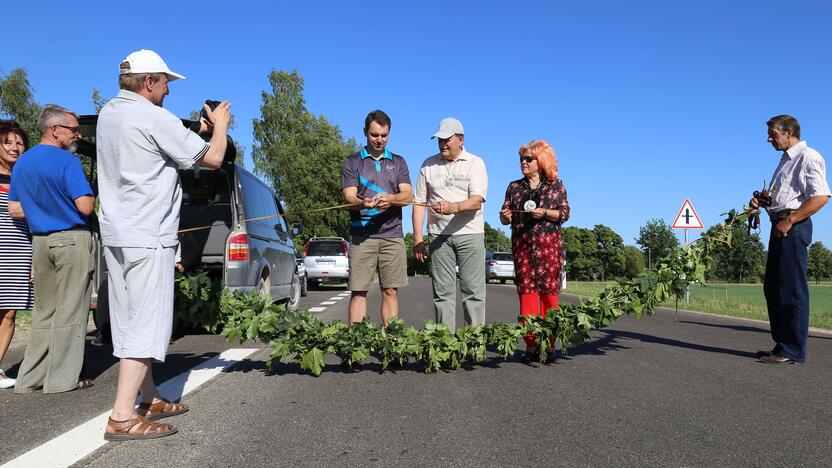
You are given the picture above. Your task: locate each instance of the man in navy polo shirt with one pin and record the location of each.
(377, 183)
(50, 190)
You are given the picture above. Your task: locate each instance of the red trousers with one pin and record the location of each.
(530, 304)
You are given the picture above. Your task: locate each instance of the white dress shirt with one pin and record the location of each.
(801, 174)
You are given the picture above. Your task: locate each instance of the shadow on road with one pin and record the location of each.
(612, 335)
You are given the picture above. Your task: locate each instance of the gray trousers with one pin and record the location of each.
(467, 251)
(63, 263)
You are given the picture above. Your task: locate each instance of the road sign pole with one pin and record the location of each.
(687, 288)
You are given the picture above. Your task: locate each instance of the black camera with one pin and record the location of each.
(212, 105)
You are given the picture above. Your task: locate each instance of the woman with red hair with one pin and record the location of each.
(536, 206)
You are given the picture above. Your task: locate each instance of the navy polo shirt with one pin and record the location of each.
(375, 177)
(46, 181)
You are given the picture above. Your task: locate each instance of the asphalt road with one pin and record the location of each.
(642, 392)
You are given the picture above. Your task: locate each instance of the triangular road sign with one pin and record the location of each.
(687, 218)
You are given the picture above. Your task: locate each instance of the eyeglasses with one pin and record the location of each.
(71, 129)
(527, 159)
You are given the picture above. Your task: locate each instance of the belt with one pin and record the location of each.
(778, 216)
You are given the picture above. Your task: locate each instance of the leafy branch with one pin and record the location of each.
(306, 340)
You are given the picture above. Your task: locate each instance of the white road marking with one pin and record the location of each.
(72, 446)
(328, 303)
(317, 309)
(336, 298)
(344, 294)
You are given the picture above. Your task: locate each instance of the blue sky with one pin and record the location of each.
(645, 102)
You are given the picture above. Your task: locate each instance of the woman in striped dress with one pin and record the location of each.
(15, 246)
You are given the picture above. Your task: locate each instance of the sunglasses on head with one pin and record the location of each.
(526, 159)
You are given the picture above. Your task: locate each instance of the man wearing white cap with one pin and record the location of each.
(453, 184)
(140, 147)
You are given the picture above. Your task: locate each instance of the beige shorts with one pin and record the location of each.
(371, 254)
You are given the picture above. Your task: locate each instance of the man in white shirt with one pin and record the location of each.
(798, 190)
(453, 184)
(140, 147)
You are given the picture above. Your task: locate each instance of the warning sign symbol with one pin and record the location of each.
(687, 217)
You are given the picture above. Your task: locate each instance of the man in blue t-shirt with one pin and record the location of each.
(377, 183)
(49, 189)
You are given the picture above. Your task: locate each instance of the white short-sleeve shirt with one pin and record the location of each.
(140, 147)
(455, 181)
(801, 174)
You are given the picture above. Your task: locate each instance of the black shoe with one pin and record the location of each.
(765, 353)
(775, 359)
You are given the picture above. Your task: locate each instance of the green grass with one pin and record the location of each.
(737, 300)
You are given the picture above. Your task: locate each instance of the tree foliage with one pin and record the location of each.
(17, 102)
(657, 237)
(611, 259)
(581, 245)
(496, 240)
(301, 155)
(820, 261)
(633, 262)
(742, 261)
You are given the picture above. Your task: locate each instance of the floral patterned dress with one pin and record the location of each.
(536, 243)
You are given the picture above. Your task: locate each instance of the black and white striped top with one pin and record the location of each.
(15, 257)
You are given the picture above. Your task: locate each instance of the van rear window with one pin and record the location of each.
(326, 249)
(502, 257)
(204, 187)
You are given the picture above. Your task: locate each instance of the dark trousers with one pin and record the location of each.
(787, 290)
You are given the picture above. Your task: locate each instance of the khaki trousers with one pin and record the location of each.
(467, 251)
(64, 265)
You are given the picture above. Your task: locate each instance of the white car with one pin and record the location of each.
(499, 266)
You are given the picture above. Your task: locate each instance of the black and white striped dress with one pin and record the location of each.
(15, 257)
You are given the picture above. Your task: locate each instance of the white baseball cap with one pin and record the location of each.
(146, 61)
(448, 127)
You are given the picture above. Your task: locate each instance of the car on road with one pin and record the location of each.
(499, 266)
(239, 236)
(304, 286)
(326, 260)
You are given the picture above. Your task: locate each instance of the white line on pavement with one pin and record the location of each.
(336, 298)
(317, 309)
(344, 294)
(81, 441)
(329, 303)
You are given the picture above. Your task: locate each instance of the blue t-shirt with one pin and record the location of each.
(46, 180)
(374, 178)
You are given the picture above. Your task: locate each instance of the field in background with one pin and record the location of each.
(738, 300)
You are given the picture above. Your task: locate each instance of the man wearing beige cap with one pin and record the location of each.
(453, 184)
(140, 147)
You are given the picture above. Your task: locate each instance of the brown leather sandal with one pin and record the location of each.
(162, 409)
(137, 428)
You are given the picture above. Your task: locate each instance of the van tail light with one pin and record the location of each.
(306, 249)
(346, 249)
(492, 263)
(238, 247)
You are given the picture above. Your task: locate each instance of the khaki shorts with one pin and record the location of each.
(368, 254)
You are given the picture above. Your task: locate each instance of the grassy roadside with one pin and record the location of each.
(736, 300)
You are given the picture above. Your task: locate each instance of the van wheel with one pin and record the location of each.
(265, 284)
(294, 295)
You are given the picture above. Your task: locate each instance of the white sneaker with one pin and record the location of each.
(6, 382)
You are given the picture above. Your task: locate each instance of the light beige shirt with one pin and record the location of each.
(440, 180)
(801, 174)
